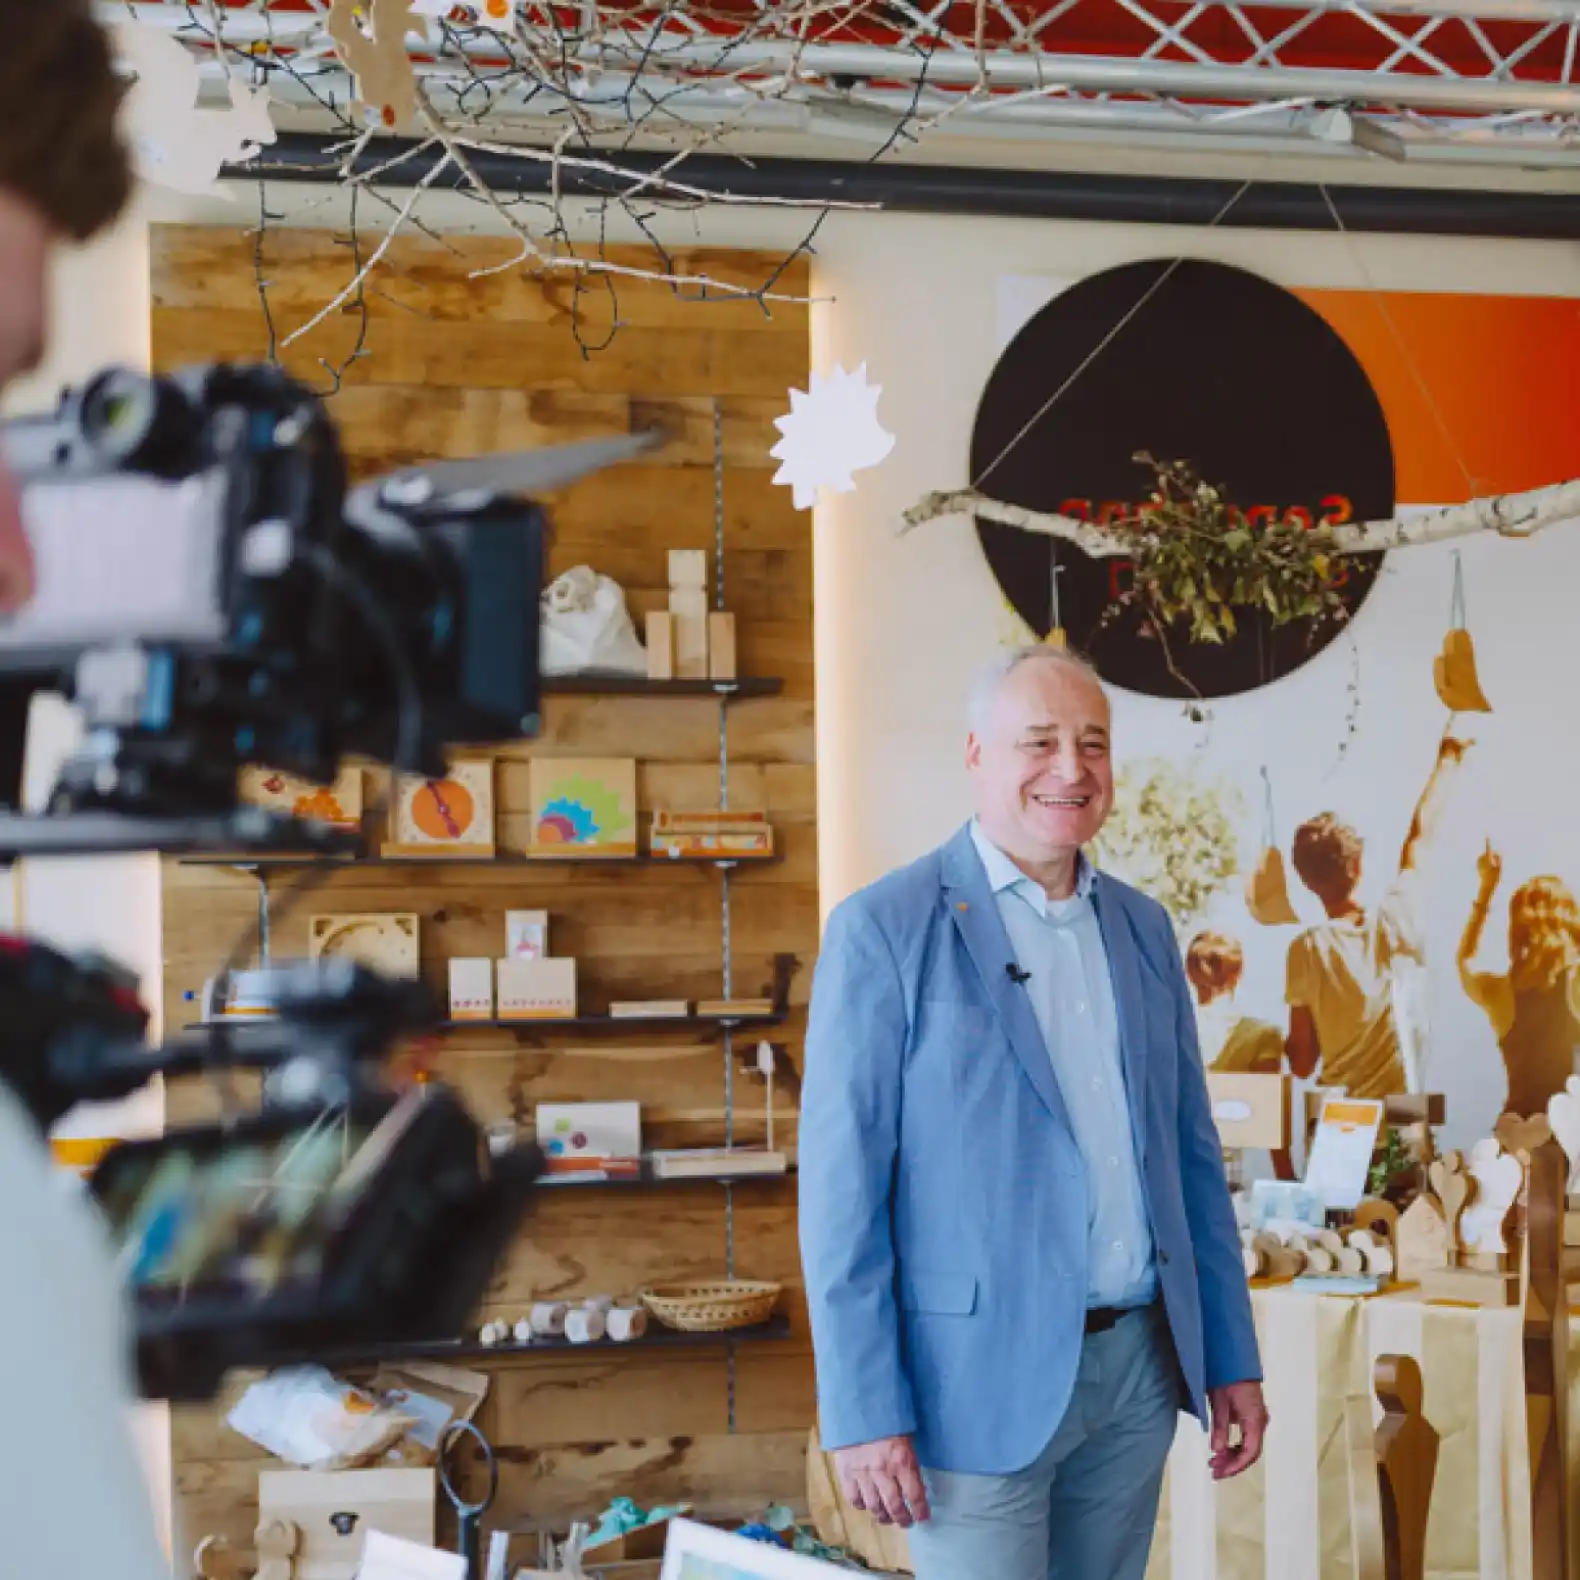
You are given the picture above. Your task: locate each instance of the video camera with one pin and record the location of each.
(210, 593)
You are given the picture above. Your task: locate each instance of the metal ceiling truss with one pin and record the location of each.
(1434, 81)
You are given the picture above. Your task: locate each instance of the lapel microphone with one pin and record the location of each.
(1016, 975)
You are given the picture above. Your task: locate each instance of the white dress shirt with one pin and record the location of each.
(1060, 942)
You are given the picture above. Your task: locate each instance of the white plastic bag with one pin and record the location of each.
(308, 1418)
(586, 626)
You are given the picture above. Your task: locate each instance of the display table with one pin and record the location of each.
(1289, 1517)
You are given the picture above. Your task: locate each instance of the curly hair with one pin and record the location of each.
(1214, 963)
(59, 97)
(1327, 854)
(1544, 933)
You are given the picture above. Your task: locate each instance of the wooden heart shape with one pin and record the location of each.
(1563, 1114)
(1454, 671)
(1523, 1135)
(1452, 1189)
(1498, 1176)
(1267, 891)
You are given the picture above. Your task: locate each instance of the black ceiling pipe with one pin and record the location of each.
(970, 192)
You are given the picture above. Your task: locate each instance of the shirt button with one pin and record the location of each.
(1113, 1163)
(1097, 1083)
(1119, 1245)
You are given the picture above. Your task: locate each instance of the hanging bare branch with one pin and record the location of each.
(1509, 515)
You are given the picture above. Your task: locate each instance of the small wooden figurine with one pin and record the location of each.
(1391, 1474)
(1423, 1239)
(278, 1542)
(1545, 1346)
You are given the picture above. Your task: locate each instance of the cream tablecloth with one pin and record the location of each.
(1289, 1517)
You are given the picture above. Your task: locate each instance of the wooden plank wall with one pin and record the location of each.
(456, 366)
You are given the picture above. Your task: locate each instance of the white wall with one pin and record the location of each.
(903, 622)
(100, 314)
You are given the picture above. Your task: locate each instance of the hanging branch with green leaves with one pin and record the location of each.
(1197, 560)
(1200, 565)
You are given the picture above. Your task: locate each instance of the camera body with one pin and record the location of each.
(210, 593)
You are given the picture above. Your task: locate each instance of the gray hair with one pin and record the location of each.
(991, 677)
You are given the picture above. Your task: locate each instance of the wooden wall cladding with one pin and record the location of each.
(456, 365)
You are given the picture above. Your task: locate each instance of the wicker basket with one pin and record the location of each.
(712, 1308)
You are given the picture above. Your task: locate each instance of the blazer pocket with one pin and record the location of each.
(939, 1294)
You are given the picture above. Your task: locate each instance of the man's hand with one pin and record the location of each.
(883, 1478)
(1236, 1405)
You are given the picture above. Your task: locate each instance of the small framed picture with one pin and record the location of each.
(701, 1552)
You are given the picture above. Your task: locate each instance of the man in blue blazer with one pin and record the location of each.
(1020, 1253)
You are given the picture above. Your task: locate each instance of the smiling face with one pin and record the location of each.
(1039, 760)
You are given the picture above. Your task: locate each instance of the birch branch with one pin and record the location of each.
(1508, 515)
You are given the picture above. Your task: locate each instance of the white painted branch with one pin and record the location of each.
(1509, 515)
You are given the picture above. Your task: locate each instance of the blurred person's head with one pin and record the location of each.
(1327, 856)
(64, 176)
(1214, 963)
(1544, 934)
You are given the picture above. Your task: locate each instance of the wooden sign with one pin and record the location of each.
(339, 804)
(1250, 1110)
(381, 940)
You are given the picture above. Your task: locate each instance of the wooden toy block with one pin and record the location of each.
(691, 646)
(536, 989)
(721, 645)
(688, 568)
(660, 645)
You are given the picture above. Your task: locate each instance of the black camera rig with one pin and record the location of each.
(209, 593)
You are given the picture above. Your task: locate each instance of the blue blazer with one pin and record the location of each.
(943, 1210)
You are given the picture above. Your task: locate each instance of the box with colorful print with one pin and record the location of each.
(583, 806)
(526, 935)
(339, 804)
(471, 988)
(448, 817)
(536, 989)
(577, 1136)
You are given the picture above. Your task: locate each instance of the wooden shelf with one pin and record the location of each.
(646, 1180)
(640, 686)
(509, 858)
(617, 1023)
(776, 1328)
(532, 1028)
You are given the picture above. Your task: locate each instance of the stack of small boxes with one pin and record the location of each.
(689, 641)
(528, 984)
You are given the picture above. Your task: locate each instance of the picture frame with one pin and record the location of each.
(446, 819)
(703, 1552)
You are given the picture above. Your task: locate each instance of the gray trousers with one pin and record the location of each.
(1086, 1508)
